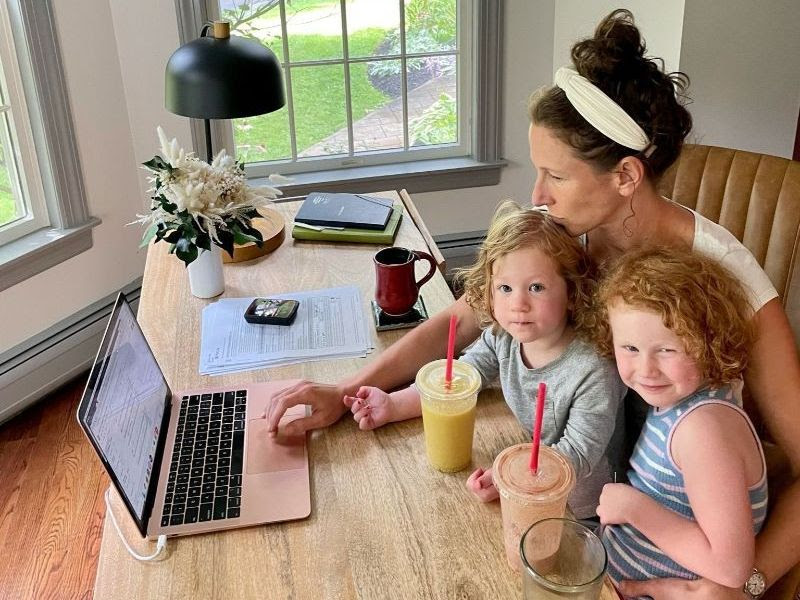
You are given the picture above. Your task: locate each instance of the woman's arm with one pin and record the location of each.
(395, 366)
(710, 446)
(773, 379)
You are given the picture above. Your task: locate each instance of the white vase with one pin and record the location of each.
(205, 273)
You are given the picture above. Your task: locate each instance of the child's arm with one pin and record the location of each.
(593, 413)
(710, 445)
(372, 407)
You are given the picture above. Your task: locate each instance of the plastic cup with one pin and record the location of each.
(525, 497)
(448, 415)
(562, 559)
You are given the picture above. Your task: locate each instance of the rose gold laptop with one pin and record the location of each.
(191, 461)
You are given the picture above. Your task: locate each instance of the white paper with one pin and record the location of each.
(330, 323)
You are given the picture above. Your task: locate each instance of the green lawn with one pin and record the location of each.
(7, 209)
(318, 97)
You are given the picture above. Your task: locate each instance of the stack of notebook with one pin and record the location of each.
(347, 218)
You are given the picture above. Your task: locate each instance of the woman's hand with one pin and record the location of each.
(680, 589)
(480, 483)
(325, 401)
(371, 407)
(617, 503)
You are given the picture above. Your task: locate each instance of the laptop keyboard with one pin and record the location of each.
(205, 474)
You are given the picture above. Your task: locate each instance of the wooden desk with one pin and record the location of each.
(383, 524)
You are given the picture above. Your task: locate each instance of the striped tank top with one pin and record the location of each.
(630, 554)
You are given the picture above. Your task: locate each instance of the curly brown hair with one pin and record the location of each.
(697, 299)
(514, 228)
(614, 60)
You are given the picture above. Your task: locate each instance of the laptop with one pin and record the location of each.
(188, 461)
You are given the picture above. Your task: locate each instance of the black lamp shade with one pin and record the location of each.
(229, 78)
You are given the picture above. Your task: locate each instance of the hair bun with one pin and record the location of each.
(616, 51)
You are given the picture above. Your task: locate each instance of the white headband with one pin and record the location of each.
(602, 112)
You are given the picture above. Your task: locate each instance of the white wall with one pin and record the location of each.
(743, 63)
(660, 23)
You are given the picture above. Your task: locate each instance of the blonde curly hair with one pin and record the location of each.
(514, 228)
(697, 299)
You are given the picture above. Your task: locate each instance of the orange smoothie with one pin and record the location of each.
(448, 415)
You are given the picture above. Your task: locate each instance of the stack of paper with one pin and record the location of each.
(330, 323)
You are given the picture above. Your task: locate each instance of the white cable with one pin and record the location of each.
(161, 543)
(605, 115)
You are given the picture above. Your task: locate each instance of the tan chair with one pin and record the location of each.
(757, 198)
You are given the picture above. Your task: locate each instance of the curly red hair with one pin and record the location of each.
(697, 299)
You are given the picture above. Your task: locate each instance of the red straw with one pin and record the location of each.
(537, 427)
(451, 346)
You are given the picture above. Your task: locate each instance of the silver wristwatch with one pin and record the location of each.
(756, 585)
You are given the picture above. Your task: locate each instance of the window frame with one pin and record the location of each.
(69, 233)
(481, 162)
(25, 171)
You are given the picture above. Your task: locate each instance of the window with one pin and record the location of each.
(395, 89)
(43, 214)
(22, 207)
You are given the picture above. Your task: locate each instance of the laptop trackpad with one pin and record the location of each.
(267, 454)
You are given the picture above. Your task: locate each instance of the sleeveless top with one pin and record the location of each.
(631, 555)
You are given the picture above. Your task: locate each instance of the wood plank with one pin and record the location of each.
(51, 499)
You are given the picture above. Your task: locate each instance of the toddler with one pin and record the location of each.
(679, 327)
(530, 286)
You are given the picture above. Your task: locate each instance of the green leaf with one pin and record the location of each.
(174, 237)
(158, 164)
(188, 255)
(149, 234)
(225, 241)
(203, 240)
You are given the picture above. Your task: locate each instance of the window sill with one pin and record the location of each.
(42, 249)
(416, 176)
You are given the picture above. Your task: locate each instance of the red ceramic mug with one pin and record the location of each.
(396, 287)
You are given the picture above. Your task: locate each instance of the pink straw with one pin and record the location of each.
(451, 346)
(537, 427)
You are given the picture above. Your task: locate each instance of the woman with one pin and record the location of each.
(602, 186)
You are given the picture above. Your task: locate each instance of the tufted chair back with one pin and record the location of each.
(754, 196)
(757, 198)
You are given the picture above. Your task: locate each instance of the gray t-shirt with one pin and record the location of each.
(583, 412)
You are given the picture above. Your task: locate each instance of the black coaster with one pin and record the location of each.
(412, 318)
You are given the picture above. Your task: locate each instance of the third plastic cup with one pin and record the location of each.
(448, 414)
(561, 559)
(525, 497)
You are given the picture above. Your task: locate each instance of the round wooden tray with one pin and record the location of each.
(272, 230)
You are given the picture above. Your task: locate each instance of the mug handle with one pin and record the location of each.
(424, 255)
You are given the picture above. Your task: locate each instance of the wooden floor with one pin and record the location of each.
(51, 502)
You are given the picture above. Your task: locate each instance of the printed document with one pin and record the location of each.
(330, 323)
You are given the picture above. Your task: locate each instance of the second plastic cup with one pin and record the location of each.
(448, 414)
(525, 497)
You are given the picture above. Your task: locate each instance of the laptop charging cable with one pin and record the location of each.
(161, 543)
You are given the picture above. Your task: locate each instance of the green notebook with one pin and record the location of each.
(351, 234)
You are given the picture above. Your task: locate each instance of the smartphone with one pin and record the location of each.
(271, 311)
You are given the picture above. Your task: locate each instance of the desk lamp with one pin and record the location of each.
(220, 76)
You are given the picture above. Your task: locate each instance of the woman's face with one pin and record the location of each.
(577, 197)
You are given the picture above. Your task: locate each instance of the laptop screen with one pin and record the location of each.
(124, 407)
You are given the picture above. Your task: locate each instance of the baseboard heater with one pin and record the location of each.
(41, 364)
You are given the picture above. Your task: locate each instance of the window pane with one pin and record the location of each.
(314, 28)
(377, 108)
(319, 110)
(257, 19)
(430, 25)
(432, 101)
(263, 137)
(11, 205)
(373, 28)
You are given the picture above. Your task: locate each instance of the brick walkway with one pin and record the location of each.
(383, 128)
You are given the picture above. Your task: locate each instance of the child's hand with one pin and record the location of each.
(617, 503)
(371, 407)
(480, 483)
